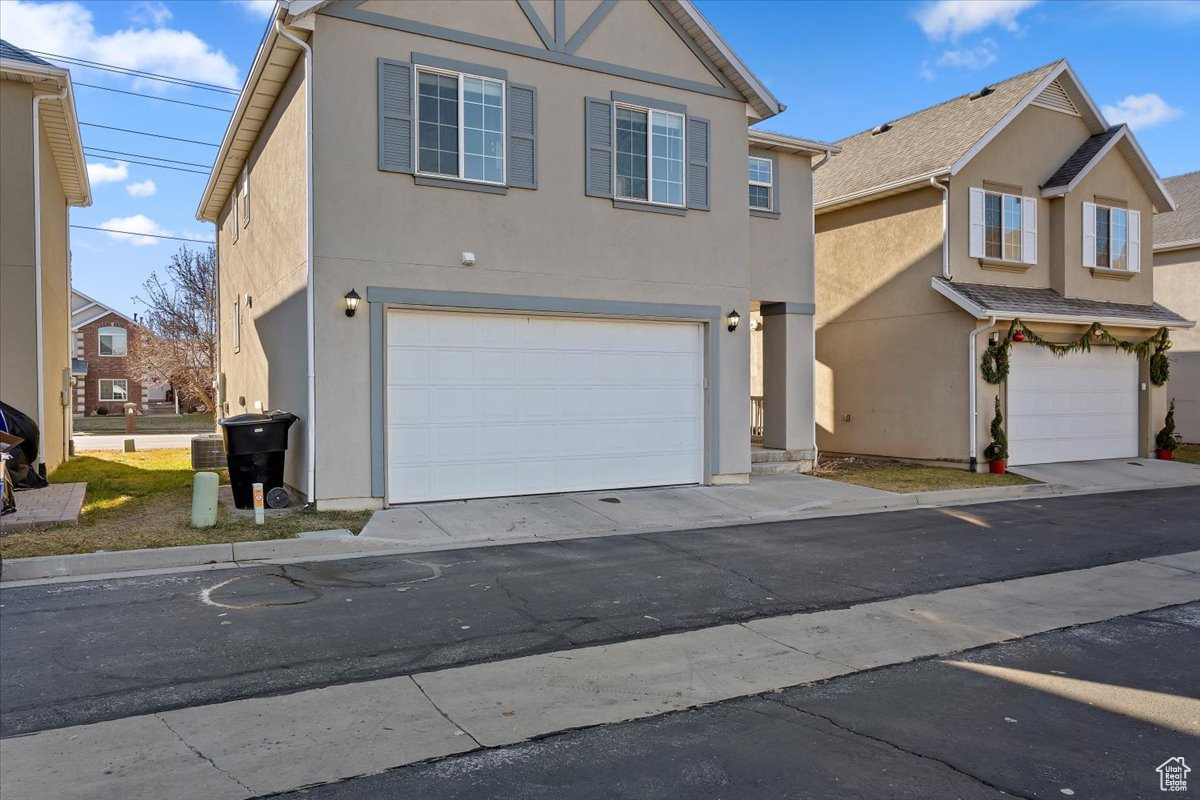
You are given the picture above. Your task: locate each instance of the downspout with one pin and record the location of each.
(812, 249)
(37, 274)
(310, 433)
(935, 183)
(973, 416)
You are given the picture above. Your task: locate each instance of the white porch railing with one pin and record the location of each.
(756, 416)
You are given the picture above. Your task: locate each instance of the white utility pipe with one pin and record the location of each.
(973, 417)
(37, 272)
(310, 428)
(812, 249)
(945, 226)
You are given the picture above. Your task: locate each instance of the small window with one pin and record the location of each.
(237, 324)
(114, 390)
(234, 205)
(245, 197)
(460, 126)
(649, 155)
(113, 342)
(1002, 226)
(1112, 238)
(761, 182)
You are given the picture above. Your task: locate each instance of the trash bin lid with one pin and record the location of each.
(244, 419)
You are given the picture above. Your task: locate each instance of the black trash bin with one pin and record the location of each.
(255, 445)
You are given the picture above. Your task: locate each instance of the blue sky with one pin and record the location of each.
(840, 68)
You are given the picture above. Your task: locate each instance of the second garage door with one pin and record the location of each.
(1081, 407)
(489, 405)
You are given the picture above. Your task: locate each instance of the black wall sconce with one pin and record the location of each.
(733, 320)
(352, 299)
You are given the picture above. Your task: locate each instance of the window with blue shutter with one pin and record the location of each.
(395, 116)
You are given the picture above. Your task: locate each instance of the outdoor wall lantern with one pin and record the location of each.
(733, 319)
(352, 299)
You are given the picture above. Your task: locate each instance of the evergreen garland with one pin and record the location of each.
(995, 359)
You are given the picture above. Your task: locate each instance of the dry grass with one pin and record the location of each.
(143, 500)
(897, 476)
(115, 423)
(1188, 453)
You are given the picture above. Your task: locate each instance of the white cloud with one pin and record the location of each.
(953, 18)
(1141, 111)
(259, 8)
(106, 173)
(138, 223)
(978, 57)
(145, 188)
(150, 12)
(67, 29)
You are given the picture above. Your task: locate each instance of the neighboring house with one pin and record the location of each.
(42, 174)
(1177, 284)
(936, 230)
(106, 345)
(549, 213)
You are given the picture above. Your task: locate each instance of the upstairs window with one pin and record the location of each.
(245, 196)
(761, 182)
(460, 126)
(1002, 226)
(1112, 238)
(113, 342)
(649, 155)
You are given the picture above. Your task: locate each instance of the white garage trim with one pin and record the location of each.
(382, 298)
(1078, 407)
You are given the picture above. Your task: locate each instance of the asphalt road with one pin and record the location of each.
(76, 653)
(1088, 712)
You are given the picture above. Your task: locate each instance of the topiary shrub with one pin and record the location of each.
(998, 449)
(1165, 440)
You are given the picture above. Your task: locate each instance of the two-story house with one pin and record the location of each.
(1177, 283)
(42, 174)
(499, 248)
(938, 230)
(106, 365)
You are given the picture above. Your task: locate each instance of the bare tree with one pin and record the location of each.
(181, 312)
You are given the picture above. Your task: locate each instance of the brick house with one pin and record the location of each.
(105, 343)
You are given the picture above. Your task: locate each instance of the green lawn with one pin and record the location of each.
(115, 423)
(1188, 453)
(140, 500)
(896, 476)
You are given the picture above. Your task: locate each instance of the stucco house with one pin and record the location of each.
(42, 174)
(496, 248)
(105, 363)
(935, 231)
(1177, 284)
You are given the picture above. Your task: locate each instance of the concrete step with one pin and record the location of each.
(781, 467)
(765, 456)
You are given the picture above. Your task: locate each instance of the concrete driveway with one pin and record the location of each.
(1114, 474)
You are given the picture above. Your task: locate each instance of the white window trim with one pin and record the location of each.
(245, 196)
(100, 334)
(237, 324)
(770, 185)
(462, 127)
(235, 204)
(648, 200)
(1020, 259)
(111, 382)
(1109, 210)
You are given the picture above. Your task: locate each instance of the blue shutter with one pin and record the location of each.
(698, 163)
(598, 147)
(522, 136)
(395, 116)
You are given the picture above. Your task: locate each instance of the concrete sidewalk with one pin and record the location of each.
(86, 442)
(258, 746)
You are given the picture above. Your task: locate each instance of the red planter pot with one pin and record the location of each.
(998, 467)
(1165, 455)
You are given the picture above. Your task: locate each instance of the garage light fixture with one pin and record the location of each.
(352, 298)
(733, 320)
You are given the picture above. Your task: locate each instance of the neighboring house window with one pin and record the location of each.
(1112, 237)
(114, 390)
(113, 342)
(245, 196)
(761, 181)
(649, 155)
(237, 324)
(460, 126)
(1002, 226)
(234, 205)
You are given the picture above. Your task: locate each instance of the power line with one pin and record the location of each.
(100, 150)
(152, 97)
(150, 164)
(210, 87)
(144, 133)
(151, 235)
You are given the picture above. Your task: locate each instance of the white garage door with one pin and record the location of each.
(489, 405)
(1081, 407)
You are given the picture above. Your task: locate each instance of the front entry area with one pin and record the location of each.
(1081, 407)
(496, 404)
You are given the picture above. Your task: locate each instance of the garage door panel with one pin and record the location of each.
(487, 405)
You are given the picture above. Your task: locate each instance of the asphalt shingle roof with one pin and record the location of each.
(11, 51)
(1081, 157)
(1183, 224)
(1018, 300)
(921, 143)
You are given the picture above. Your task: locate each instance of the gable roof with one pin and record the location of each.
(1181, 227)
(57, 117)
(1093, 151)
(92, 310)
(942, 139)
(276, 56)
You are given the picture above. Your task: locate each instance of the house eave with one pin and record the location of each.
(769, 140)
(1167, 247)
(879, 192)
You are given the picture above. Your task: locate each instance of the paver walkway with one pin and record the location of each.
(56, 504)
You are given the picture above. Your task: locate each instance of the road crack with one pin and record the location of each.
(444, 715)
(200, 755)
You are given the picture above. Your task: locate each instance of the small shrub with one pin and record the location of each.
(998, 449)
(101, 411)
(1165, 440)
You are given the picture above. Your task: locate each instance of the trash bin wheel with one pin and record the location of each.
(278, 498)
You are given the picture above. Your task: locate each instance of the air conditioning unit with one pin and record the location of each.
(208, 451)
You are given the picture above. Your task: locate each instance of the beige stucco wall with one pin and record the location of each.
(268, 263)
(18, 353)
(1177, 286)
(551, 242)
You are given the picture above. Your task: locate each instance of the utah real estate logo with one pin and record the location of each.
(1172, 775)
